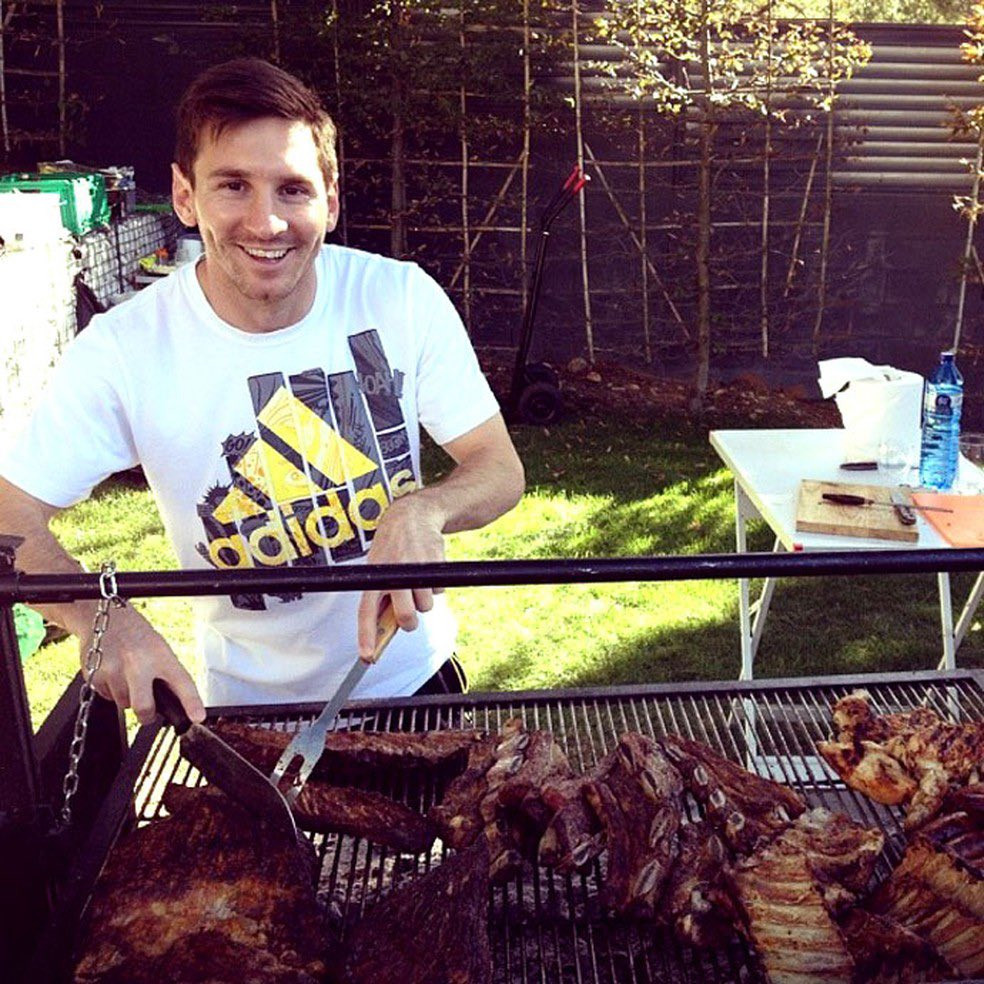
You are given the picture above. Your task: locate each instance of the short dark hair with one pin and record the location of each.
(247, 89)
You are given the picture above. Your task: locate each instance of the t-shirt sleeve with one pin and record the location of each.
(453, 395)
(78, 433)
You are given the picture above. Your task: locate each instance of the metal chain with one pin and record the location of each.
(93, 660)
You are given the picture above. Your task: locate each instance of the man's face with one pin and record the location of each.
(261, 204)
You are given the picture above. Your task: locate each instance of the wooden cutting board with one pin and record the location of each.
(814, 515)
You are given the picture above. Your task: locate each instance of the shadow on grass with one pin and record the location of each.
(814, 629)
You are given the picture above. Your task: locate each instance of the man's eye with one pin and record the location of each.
(231, 185)
(295, 191)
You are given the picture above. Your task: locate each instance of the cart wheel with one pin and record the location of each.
(539, 372)
(539, 403)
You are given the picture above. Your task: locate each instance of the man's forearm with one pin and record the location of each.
(477, 491)
(41, 553)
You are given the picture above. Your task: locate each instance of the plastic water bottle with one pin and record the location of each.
(942, 403)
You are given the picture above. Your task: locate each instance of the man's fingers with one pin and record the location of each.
(368, 612)
(186, 691)
(405, 609)
(423, 599)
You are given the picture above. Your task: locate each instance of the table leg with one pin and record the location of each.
(949, 660)
(954, 635)
(751, 615)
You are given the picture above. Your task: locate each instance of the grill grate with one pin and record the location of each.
(547, 927)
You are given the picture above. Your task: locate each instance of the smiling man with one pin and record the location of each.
(273, 393)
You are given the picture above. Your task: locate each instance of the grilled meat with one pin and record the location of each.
(886, 953)
(500, 794)
(743, 807)
(968, 798)
(361, 813)
(204, 896)
(961, 834)
(913, 757)
(573, 836)
(638, 804)
(434, 930)
(785, 917)
(353, 756)
(697, 901)
(839, 849)
(931, 894)
(327, 808)
(868, 768)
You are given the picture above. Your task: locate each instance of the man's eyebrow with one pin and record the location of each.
(226, 172)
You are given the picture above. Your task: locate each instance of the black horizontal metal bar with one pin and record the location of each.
(40, 588)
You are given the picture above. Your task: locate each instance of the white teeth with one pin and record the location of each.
(266, 254)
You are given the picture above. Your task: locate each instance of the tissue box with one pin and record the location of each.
(878, 405)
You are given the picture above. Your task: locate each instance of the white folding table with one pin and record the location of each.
(768, 466)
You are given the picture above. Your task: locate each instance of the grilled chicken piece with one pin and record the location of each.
(886, 953)
(968, 798)
(207, 894)
(743, 807)
(868, 768)
(434, 930)
(785, 918)
(913, 757)
(697, 900)
(934, 896)
(639, 806)
(353, 756)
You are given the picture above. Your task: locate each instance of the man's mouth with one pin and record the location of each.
(265, 254)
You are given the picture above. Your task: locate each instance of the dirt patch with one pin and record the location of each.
(604, 389)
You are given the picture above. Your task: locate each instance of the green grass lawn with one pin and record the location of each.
(596, 488)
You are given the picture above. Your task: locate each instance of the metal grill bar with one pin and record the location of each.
(40, 588)
(546, 927)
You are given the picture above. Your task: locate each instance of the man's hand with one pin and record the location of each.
(486, 482)
(408, 533)
(134, 654)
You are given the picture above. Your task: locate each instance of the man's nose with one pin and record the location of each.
(263, 218)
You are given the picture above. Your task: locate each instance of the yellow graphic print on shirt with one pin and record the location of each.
(308, 486)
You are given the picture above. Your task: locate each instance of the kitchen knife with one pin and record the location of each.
(309, 743)
(850, 499)
(222, 765)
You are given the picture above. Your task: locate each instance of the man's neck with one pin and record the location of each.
(257, 316)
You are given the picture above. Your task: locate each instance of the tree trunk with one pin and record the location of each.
(703, 263)
(703, 252)
(398, 154)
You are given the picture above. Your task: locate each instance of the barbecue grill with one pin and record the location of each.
(544, 926)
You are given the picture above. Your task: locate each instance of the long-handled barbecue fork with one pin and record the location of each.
(309, 743)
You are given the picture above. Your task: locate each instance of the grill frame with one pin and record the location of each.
(547, 927)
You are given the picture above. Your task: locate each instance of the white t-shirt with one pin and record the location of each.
(265, 450)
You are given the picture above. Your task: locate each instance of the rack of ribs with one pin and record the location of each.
(324, 808)
(886, 953)
(500, 795)
(935, 895)
(354, 756)
(742, 806)
(912, 757)
(790, 889)
(205, 894)
(433, 929)
(697, 898)
(639, 805)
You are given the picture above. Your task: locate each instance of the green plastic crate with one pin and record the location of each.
(84, 203)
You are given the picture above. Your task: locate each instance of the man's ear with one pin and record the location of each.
(334, 205)
(183, 197)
